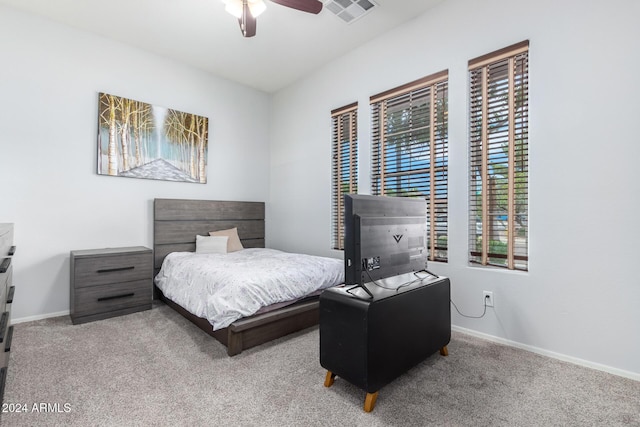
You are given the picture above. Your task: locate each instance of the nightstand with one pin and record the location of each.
(110, 282)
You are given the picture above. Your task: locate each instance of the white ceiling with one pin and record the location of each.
(288, 44)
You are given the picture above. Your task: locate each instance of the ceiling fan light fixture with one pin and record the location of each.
(256, 7)
(248, 10)
(234, 7)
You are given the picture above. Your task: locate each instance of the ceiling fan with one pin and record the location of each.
(248, 10)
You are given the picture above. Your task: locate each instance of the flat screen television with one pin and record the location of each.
(383, 237)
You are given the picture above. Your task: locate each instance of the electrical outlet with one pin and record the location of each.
(487, 297)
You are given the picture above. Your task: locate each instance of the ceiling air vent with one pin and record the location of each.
(350, 10)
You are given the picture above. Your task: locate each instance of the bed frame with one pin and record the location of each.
(176, 222)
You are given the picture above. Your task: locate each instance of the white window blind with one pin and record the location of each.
(499, 165)
(410, 151)
(344, 142)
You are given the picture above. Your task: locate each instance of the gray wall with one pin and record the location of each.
(580, 299)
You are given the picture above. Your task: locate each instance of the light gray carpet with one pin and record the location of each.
(155, 368)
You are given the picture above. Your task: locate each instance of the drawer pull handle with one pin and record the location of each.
(7, 346)
(117, 296)
(108, 270)
(12, 251)
(10, 294)
(4, 265)
(3, 325)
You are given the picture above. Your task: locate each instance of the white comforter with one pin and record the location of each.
(225, 287)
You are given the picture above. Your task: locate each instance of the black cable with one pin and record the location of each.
(409, 283)
(471, 317)
(419, 279)
(378, 284)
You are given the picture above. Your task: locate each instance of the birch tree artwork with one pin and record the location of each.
(140, 140)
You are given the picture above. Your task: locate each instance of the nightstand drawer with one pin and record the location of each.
(95, 271)
(112, 297)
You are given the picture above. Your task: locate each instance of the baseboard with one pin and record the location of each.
(39, 317)
(576, 361)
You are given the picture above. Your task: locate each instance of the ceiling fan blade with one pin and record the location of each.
(311, 6)
(247, 22)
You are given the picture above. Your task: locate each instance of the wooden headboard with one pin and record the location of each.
(176, 222)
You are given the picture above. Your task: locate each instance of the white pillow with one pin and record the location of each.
(211, 244)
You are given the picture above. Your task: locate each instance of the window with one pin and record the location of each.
(410, 150)
(344, 141)
(498, 159)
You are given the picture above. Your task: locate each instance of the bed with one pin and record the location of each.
(177, 222)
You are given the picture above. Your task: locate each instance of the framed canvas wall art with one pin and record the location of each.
(141, 140)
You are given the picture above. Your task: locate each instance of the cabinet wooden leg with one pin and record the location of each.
(444, 351)
(370, 401)
(328, 380)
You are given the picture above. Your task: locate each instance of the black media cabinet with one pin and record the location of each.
(371, 341)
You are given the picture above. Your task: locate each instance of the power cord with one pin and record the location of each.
(472, 317)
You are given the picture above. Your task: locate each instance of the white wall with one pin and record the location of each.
(581, 296)
(49, 82)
